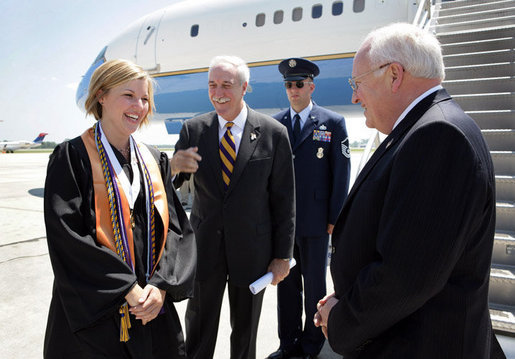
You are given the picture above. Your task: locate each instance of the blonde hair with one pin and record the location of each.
(112, 74)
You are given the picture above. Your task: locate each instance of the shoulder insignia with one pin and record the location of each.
(346, 147)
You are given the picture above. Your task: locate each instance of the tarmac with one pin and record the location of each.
(26, 274)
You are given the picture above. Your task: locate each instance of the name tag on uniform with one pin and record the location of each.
(324, 136)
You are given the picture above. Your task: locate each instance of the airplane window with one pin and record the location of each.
(194, 30)
(316, 11)
(278, 16)
(296, 14)
(358, 6)
(260, 19)
(337, 8)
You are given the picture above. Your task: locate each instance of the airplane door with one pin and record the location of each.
(146, 45)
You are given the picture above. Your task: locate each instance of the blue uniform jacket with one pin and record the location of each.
(322, 169)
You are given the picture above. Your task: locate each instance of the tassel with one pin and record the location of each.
(125, 323)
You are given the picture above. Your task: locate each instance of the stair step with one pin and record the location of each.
(465, 3)
(504, 249)
(495, 32)
(505, 188)
(476, 24)
(505, 214)
(475, 7)
(502, 286)
(488, 101)
(479, 71)
(478, 58)
(503, 318)
(481, 85)
(500, 139)
(478, 45)
(494, 119)
(473, 13)
(504, 162)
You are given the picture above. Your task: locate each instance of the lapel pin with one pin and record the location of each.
(323, 128)
(253, 136)
(320, 153)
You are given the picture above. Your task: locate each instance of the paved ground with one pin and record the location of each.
(26, 274)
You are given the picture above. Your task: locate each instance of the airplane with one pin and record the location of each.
(175, 45)
(11, 146)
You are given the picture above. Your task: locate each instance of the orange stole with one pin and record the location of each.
(104, 227)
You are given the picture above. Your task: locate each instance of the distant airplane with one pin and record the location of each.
(11, 146)
(176, 44)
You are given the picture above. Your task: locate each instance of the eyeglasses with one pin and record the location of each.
(352, 80)
(299, 84)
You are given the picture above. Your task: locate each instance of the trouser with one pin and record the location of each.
(203, 316)
(311, 256)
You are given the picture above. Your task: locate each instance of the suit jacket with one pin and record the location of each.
(413, 242)
(322, 169)
(253, 221)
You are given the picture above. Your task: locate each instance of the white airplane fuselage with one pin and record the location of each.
(176, 44)
(11, 146)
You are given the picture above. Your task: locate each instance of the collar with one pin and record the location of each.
(415, 102)
(304, 113)
(239, 121)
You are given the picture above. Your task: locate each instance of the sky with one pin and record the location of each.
(46, 48)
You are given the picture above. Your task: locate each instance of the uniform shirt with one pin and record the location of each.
(303, 115)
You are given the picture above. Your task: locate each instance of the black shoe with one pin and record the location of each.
(284, 354)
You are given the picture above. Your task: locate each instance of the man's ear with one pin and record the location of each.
(397, 75)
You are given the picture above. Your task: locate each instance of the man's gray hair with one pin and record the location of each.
(238, 63)
(417, 50)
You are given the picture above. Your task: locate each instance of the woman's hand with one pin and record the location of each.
(149, 304)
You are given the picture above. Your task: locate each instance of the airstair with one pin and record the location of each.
(478, 42)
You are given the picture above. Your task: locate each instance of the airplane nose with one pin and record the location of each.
(82, 90)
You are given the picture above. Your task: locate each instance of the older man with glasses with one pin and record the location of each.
(413, 242)
(321, 152)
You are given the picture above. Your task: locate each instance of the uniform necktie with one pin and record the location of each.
(296, 128)
(227, 154)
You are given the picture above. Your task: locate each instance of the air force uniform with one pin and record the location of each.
(322, 170)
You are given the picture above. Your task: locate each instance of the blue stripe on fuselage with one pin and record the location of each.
(187, 93)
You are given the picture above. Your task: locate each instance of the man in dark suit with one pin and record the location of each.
(413, 242)
(243, 209)
(322, 167)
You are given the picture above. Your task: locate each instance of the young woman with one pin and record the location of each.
(121, 246)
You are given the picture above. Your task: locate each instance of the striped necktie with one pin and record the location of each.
(227, 154)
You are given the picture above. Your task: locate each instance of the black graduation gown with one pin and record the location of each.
(91, 281)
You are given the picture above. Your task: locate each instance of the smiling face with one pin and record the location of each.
(226, 91)
(124, 107)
